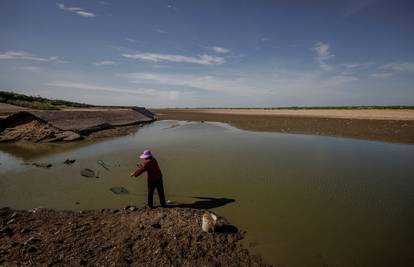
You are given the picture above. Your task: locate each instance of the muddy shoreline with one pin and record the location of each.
(393, 130)
(127, 237)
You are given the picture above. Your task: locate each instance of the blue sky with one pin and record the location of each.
(198, 53)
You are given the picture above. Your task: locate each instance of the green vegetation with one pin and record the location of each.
(36, 102)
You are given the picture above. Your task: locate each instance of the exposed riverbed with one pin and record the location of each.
(304, 200)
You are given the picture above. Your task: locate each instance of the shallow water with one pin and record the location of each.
(304, 200)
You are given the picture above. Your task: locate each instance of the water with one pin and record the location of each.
(304, 200)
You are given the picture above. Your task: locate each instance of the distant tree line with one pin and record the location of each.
(37, 102)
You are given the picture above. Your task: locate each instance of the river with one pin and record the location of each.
(304, 200)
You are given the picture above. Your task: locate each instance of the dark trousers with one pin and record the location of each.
(160, 189)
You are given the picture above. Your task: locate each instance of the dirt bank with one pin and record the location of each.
(72, 124)
(142, 237)
(379, 125)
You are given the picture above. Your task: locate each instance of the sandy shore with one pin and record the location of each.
(129, 237)
(371, 124)
(369, 114)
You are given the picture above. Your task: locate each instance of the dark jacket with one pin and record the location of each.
(152, 169)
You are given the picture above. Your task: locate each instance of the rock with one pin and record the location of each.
(71, 136)
(32, 249)
(69, 161)
(119, 190)
(31, 240)
(88, 173)
(208, 222)
(156, 225)
(34, 210)
(25, 230)
(7, 230)
(131, 208)
(42, 165)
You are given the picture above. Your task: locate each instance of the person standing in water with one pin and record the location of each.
(150, 165)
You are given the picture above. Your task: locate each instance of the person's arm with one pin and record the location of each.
(141, 168)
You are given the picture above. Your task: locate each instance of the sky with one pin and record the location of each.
(210, 53)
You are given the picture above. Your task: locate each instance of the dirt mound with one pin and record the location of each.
(36, 131)
(137, 237)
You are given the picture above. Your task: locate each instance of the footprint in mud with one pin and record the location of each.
(119, 190)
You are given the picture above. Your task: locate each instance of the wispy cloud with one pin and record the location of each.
(247, 85)
(88, 86)
(219, 49)
(358, 6)
(172, 7)
(355, 65)
(382, 75)
(105, 63)
(29, 68)
(76, 10)
(132, 40)
(323, 54)
(105, 3)
(398, 67)
(154, 57)
(389, 69)
(144, 93)
(21, 55)
(161, 31)
(199, 82)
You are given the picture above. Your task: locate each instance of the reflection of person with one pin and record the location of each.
(150, 165)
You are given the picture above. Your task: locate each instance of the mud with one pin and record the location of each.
(369, 128)
(129, 237)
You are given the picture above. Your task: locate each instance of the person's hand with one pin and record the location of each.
(131, 174)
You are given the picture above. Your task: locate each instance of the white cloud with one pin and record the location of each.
(323, 54)
(219, 49)
(21, 55)
(77, 10)
(85, 14)
(154, 57)
(322, 50)
(104, 63)
(161, 31)
(398, 67)
(131, 40)
(382, 75)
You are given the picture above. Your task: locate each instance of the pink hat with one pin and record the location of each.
(146, 154)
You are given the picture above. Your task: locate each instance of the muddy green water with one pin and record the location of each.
(304, 200)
